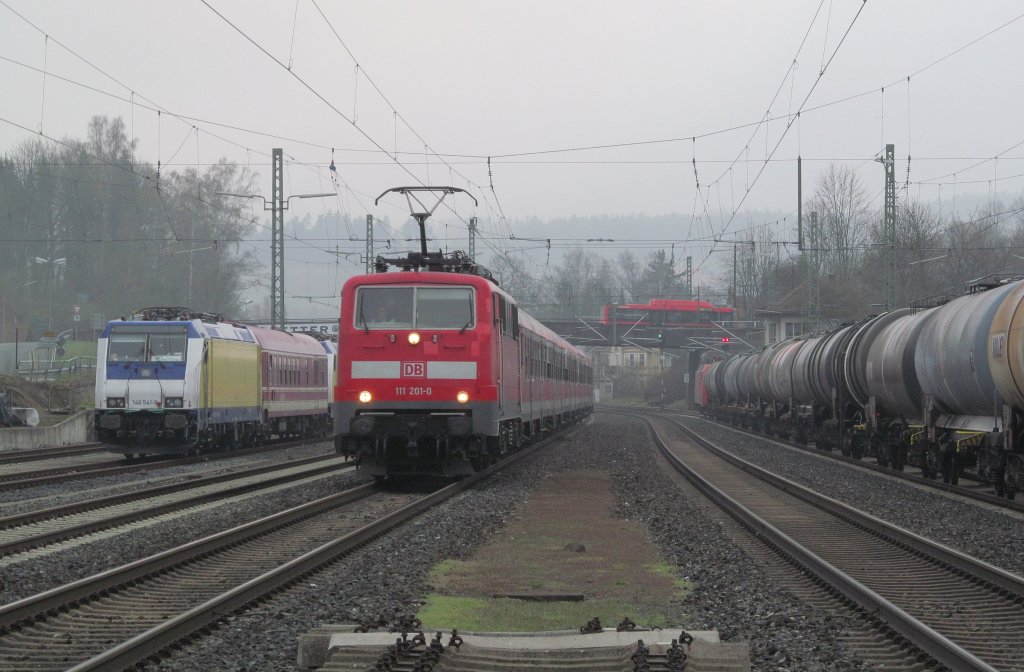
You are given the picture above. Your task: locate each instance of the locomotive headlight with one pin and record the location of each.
(115, 402)
(365, 396)
(174, 402)
(414, 338)
(462, 397)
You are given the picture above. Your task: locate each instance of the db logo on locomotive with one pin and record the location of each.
(414, 369)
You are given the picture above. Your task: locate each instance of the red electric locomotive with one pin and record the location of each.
(439, 372)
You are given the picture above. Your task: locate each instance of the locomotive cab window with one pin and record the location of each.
(444, 308)
(147, 343)
(384, 308)
(414, 308)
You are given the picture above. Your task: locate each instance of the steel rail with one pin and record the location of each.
(928, 640)
(61, 474)
(36, 607)
(962, 491)
(36, 454)
(184, 625)
(81, 529)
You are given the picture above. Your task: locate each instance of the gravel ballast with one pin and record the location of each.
(388, 576)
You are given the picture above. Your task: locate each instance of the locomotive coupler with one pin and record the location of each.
(415, 429)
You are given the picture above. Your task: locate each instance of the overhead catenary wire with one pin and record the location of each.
(497, 203)
(132, 93)
(145, 179)
(789, 123)
(321, 97)
(193, 119)
(497, 156)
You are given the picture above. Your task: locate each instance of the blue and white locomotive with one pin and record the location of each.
(173, 381)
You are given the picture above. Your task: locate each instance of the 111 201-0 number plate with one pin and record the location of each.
(414, 391)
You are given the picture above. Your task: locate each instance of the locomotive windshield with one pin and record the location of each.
(414, 308)
(147, 343)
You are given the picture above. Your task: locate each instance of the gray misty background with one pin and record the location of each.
(606, 127)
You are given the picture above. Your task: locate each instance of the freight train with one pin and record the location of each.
(442, 374)
(173, 381)
(941, 388)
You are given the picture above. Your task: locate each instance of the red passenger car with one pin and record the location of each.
(293, 370)
(441, 373)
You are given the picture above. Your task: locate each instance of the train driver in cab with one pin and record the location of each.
(384, 315)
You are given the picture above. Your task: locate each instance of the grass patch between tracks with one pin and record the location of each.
(471, 614)
(566, 541)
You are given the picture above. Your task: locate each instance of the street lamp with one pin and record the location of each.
(276, 207)
(51, 278)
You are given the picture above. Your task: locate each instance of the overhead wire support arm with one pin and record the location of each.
(277, 205)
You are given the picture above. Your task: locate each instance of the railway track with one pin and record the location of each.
(78, 471)
(60, 474)
(35, 529)
(973, 491)
(120, 617)
(50, 453)
(962, 613)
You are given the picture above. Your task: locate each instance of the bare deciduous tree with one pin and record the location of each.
(841, 204)
(584, 283)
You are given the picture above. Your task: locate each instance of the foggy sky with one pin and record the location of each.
(472, 80)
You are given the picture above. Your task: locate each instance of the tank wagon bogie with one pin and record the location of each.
(441, 373)
(940, 388)
(170, 381)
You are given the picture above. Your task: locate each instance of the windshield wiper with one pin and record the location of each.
(362, 318)
(466, 325)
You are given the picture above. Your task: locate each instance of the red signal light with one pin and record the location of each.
(725, 339)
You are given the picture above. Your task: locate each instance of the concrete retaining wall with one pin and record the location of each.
(73, 430)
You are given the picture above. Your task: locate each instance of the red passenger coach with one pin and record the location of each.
(293, 371)
(439, 372)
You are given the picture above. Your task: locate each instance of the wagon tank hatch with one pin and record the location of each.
(454, 262)
(991, 281)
